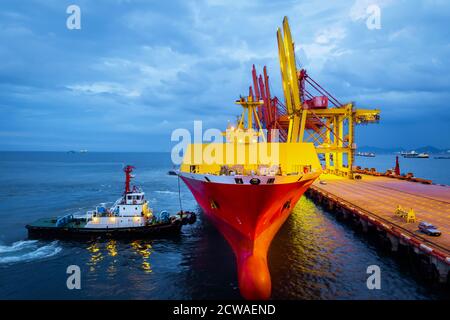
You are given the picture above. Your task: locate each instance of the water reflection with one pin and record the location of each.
(312, 257)
(111, 247)
(208, 264)
(114, 251)
(95, 255)
(144, 249)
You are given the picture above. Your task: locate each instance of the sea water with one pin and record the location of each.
(314, 256)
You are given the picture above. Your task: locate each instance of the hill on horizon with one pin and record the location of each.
(427, 149)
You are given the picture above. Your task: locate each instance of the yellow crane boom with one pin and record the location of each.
(330, 129)
(291, 89)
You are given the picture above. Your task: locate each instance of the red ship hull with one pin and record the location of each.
(248, 216)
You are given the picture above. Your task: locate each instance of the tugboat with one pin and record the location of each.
(130, 216)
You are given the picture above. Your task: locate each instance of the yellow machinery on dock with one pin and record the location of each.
(408, 215)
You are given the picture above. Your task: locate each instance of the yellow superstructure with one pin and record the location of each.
(287, 158)
(247, 152)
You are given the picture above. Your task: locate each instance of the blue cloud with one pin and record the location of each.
(139, 69)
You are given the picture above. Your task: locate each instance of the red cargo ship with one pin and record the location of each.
(249, 216)
(247, 186)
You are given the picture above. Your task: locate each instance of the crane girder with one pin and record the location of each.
(283, 70)
(306, 115)
(297, 116)
(292, 69)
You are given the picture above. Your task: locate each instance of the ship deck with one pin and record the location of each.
(378, 198)
(51, 223)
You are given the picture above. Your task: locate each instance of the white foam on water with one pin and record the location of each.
(17, 246)
(166, 192)
(25, 251)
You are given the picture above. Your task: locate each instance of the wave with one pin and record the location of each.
(166, 192)
(25, 251)
(16, 246)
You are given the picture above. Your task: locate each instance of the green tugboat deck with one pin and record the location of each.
(51, 223)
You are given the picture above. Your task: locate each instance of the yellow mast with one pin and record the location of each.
(297, 115)
(250, 108)
(285, 82)
(331, 139)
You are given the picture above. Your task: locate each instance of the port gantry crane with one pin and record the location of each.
(305, 117)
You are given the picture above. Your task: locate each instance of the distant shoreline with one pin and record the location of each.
(77, 152)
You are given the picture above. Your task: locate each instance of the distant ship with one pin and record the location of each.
(423, 155)
(414, 154)
(365, 154)
(81, 151)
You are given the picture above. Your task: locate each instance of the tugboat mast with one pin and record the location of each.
(128, 170)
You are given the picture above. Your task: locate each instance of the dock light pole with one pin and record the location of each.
(397, 166)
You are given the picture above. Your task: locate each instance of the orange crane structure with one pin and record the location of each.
(309, 112)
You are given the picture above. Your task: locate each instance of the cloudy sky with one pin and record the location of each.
(139, 69)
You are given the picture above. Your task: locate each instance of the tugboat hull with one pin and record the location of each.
(153, 231)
